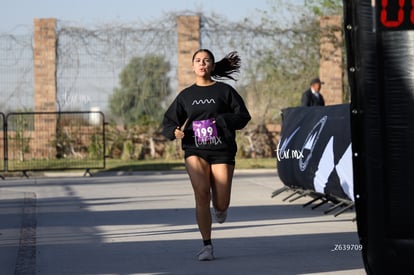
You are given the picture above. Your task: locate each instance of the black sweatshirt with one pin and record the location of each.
(214, 113)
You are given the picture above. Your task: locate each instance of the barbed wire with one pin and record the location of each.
(90, 58)
(16, 71)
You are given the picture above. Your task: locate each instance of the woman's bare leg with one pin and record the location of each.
(221, 180)
(199, 171)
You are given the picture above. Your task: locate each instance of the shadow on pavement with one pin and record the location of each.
(85, 232)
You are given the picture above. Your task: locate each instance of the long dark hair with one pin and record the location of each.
(230, 64)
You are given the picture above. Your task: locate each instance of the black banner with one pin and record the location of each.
(381, 82)
(314, 152)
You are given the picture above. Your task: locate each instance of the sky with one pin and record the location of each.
(17, 14)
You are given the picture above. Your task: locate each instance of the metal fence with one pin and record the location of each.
(16, 72)
(34, 141)
(90, 58)
(2, 143)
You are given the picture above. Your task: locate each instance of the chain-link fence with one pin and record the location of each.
(2, 143)
(89, 60)
(55, 141)
(16, 72)
(275, 69)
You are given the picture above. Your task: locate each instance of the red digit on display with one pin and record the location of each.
(400, 16)
(412, 11)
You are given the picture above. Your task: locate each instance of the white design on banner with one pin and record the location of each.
(345, 173)
(203, 101)
(280, 151)
(310, 143)
(343, 169)
(325, 167)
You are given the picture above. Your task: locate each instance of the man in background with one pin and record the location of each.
(312, 96)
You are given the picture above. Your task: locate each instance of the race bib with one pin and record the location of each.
(205, 130)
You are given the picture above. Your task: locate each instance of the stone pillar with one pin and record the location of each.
(188, 29)
(331, 71)
(44, 87)
(45, 65)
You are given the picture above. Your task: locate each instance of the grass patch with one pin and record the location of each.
(143, 165)
(262, 163)
(127, 166)
(178, 165)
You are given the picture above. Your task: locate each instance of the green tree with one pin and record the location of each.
(144, 84)
(325, 7)
(284, 55)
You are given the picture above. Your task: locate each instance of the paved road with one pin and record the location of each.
(144, 224)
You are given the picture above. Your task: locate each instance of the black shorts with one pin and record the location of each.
(212, 157)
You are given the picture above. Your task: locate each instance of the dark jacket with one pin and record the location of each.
(309, 99)
(219, 102)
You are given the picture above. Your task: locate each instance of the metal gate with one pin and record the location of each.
(36, 141)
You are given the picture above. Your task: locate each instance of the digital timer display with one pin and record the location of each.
(395, 14)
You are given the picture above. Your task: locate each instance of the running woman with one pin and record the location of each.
(205, 117)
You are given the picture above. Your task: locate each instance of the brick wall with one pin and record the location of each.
(330, 70)
(188, 29)
(45, 65)
(44, 86)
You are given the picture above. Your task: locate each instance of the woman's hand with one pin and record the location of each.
(178, 133)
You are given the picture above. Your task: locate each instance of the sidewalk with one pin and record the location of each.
(144, 224)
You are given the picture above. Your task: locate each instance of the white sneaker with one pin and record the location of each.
(206, 254)
(220, 216)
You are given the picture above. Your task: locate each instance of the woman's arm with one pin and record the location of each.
(174, 117)
(238, 118)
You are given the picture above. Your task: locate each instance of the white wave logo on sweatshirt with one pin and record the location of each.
(203, 101)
